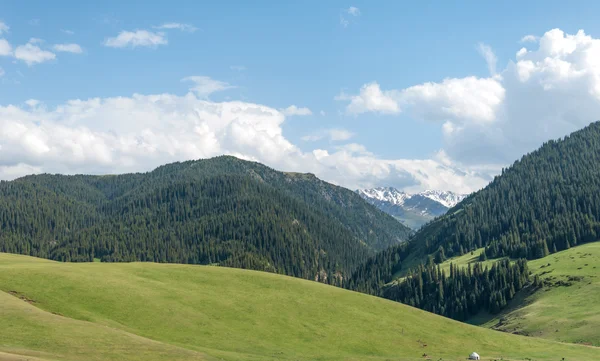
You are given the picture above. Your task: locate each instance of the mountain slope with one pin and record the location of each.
(544, 203)
(221, 210)
(413, 210)
(567, 308)
(547, 200)
(166, 311)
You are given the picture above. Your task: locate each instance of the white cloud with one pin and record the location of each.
(237, 67)
(465, 99)
(529, 39)
(5, 48)
(138, 133)
(36, 41)
(32, 102)
(371, 99)
(489, 56)
(4, 28)
(487, 123)
(32, 54)
(68, 48)
(68, 32)
(334, 134)
(354, 11)
(205, 86)
(143, 38)
(183, 27)
(294, 110)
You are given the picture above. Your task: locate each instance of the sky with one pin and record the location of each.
(420, 95)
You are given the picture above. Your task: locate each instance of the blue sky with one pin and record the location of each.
(275, 54)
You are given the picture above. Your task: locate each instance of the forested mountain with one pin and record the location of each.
(547, 201)
(222, 210)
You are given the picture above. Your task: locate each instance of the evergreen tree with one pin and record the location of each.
(465, 292)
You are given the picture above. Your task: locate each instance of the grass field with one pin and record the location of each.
(567, 309)
(144, 311)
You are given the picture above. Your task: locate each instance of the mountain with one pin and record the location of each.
(547, 201)
(221, 210)
(413, 210)
(156, 312)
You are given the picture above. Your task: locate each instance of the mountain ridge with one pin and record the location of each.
(220, 210)
(415, 209)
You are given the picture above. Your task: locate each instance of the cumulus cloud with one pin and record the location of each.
(179, 26)
(68, 48)
(5, 48)
(138, 133)
(137, 38)
(546, 92)
(334, 134)
(32, 54)
(294, 110)
(205, 86)
(461, 100)
(371, 99)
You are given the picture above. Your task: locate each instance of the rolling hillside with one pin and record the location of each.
(148, 311)
(222, 210)
(567, 307)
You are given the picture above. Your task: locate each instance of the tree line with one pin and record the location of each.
(465, 292)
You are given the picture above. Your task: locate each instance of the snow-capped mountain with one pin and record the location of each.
(446, 198)
(413, 210)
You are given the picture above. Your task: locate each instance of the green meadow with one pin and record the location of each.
(567, 308)
(146, 311)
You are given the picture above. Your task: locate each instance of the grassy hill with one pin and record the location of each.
(567, 309)
(221, 210)
(147, 311)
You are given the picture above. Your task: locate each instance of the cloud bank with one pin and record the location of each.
(550, 88)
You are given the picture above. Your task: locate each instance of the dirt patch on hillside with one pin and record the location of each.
(22, 297)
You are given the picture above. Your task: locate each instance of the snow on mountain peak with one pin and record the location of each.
(385, 194)
(446, 198)
(413, 210)
(394, 196)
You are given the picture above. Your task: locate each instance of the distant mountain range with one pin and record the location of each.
(413, 210)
